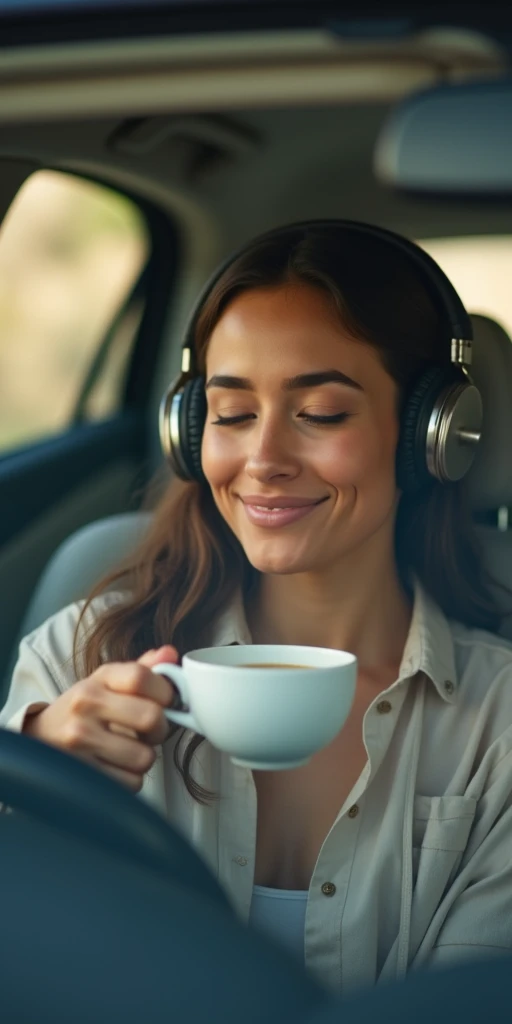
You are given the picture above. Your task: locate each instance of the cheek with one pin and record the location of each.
(218, 457)
(363, 456)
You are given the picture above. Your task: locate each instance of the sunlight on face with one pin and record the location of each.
(343, 471)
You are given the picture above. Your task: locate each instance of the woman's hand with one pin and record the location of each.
(113, 719)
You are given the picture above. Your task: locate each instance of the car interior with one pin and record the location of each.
(190, 144)
(206, 175)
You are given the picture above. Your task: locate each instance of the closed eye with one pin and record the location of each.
(338, 417)
(230, 421)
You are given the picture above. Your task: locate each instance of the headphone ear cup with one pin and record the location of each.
(411, 460)
(192, 418)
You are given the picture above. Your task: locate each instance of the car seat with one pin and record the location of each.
(490, 479)
(81, 561)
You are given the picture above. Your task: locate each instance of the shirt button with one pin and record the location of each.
(354, 811)
(449, 686)
(242, 861)
(384, 707)
(328, 888)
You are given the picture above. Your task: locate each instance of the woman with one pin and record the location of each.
(391, 848)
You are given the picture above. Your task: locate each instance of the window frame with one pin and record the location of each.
(157, 278)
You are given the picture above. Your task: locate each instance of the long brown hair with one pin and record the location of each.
(191, 565)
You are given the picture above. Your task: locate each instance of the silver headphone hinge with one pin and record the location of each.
(462, 352)
(185, 360)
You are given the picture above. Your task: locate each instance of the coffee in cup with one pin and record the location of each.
(273, 664)
(269, 706)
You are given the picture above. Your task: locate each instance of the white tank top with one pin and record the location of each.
(280, 913)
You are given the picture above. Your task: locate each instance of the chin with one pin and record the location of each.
(267, 569)
(278, 564)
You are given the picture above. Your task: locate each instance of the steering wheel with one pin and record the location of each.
(59, 790)
(116, 914)
(105, 941)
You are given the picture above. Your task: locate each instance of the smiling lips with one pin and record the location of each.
(277, 511)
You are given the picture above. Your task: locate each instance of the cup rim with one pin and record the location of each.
(335, 658)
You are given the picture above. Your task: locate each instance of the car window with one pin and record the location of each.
(479, 269)
(71, 252)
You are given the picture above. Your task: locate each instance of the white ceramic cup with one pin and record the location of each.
(266, 718)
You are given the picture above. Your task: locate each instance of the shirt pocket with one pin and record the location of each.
(441, 829)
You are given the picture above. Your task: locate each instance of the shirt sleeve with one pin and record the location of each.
(45, 667)
(33, 686)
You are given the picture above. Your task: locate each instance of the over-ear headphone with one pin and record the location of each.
(442, 415)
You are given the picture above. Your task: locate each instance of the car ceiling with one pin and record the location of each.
(250, 171)
(40, 20)
(228, 169)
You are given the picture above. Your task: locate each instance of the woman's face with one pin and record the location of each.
(302, 417)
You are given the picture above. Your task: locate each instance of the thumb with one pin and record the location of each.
(154, 657)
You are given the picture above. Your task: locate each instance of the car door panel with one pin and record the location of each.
(47, 493)
(34, 478)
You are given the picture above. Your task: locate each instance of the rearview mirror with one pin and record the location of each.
(450, 140)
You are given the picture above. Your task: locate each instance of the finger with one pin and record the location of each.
(134, 716)
(137, 680)
(128, 779)
(166, 653)
(122, 730)
(155, 737)
(123, 752)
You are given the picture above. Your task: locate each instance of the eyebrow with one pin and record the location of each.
(303, 380)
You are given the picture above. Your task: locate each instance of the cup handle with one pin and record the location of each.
(177, 676)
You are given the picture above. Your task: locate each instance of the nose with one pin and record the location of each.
(271, 453)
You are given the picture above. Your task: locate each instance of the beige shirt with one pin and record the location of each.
(419, 859)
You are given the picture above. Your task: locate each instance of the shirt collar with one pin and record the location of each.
(428, 648)
(231, 626)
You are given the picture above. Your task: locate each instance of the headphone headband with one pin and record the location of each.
(439, 286)
(442, 415)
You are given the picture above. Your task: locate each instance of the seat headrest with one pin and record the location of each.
(490, 478)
